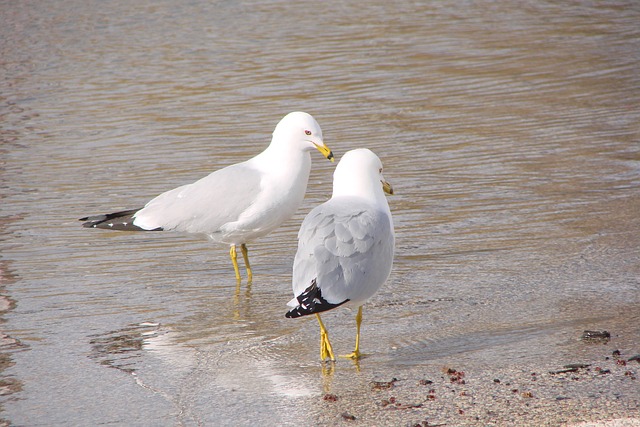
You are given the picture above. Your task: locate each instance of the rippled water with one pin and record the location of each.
(509, 130)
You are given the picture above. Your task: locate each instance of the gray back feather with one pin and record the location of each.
(347, 246)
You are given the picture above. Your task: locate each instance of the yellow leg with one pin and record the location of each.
(356, 353)
(245, 255)
(234, 259)
(325, 346)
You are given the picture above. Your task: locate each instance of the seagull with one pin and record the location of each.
(345, 245)
(239, 203)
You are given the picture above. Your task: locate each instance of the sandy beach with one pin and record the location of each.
(598, 392)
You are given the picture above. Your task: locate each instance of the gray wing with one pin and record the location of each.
(205, 205)
(347, 247)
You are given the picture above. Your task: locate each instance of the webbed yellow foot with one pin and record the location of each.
(355, 355)
(326, 351)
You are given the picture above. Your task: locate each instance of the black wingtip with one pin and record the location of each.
(311, 301)
(122, 220)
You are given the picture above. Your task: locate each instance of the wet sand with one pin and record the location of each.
(596, 387)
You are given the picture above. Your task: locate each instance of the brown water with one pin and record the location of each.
(510, 131)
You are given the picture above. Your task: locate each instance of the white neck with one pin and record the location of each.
(360, 186)
(284, 158)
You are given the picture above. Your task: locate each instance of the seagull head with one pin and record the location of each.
(302, 129)
(359, 173)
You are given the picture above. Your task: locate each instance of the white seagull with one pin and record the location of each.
(239, 203)
(345, 245)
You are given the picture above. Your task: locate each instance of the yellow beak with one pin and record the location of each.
(387, 187)
(325, 151)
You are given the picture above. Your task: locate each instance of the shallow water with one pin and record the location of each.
(509, 131)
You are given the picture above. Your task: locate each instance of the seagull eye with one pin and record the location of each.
(380, 170)
(307, 132)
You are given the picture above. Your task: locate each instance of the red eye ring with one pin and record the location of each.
(307, 132)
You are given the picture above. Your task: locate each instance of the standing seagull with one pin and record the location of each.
(239, 203)
(345, 245)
